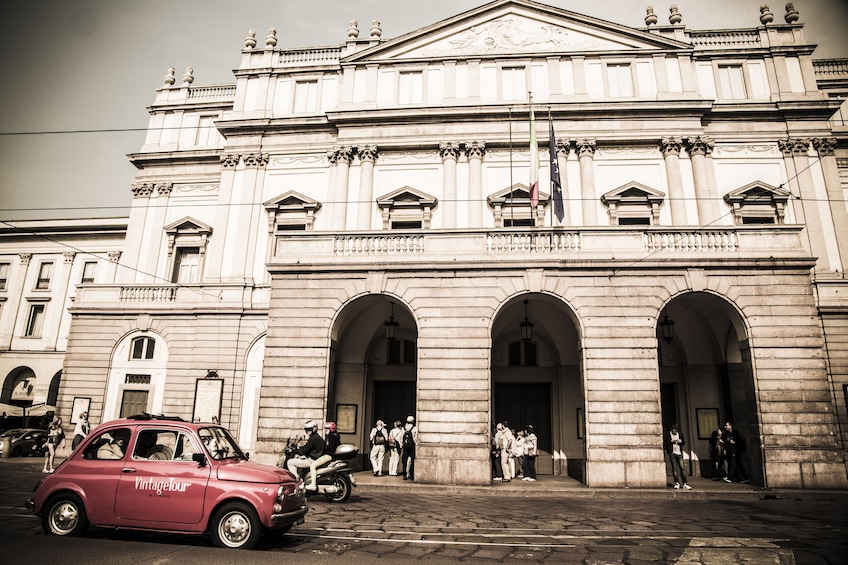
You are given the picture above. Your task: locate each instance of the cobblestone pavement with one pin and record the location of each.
(436, 525)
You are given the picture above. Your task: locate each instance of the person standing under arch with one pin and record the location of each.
(674, 442)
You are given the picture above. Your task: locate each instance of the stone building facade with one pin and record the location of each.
(352, 233)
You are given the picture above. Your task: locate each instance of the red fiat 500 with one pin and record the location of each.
(168, 475)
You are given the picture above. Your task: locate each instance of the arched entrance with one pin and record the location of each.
(706, 378)
(373, 368)
(536, 380)
(251, 391)
(136, 377)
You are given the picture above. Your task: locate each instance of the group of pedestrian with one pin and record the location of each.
(399, 442)
(514, 453)
(726, 448)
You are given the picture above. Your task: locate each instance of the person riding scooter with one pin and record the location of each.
(332, 440)
(309, 452)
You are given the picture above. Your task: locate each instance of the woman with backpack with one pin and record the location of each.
(395, 441)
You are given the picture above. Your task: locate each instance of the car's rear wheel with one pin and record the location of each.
(64, 515)
(236, 525)
(16, 452)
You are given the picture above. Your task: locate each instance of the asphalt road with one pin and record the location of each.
(428, 526)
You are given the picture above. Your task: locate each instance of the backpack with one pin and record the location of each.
(392, 441)
(408, 441)
(379, 438)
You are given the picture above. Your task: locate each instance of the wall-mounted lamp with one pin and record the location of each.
(392, 326)
(526, 325)
(667, 328)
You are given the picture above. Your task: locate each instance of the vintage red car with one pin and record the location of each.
(164, 474)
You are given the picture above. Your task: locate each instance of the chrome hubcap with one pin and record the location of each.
(235, 528)
(65, 517)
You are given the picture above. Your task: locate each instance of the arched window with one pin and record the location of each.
(142, 348)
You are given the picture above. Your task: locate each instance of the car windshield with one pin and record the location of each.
(220, 444)
(13, 433)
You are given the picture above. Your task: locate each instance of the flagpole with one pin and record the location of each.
(511, 185)
(551, 144)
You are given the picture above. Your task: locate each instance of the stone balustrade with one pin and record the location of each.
(319, 56)
(724, 38)
(215, 91)
(161, 297)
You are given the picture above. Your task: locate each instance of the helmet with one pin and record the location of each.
(410, 419)
(309, 426)
(330, 426)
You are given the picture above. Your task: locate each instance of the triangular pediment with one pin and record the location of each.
(407, 196)
(188, 225)
(633, 192)
(517, 193)
(292, 200)
(757, 192)
(511, 27)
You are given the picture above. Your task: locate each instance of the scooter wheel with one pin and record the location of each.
(343, 489)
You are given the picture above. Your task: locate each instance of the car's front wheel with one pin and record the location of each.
(236, 525)
(64, 515)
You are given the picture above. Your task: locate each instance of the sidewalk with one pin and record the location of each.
(546, 485)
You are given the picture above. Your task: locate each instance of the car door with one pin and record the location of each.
(160, 484)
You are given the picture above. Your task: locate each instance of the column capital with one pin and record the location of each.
(563, 146)
(449, 150)
(585, 147)
(164, 188)
(25, 257)
(230, 160)
(825, 146)
(475, 149)
(793, 147)
(69, 256)
(255, 160)
(699, 145)
(671, 146)
(142, 189)
(114, 256)
(367, 153)
(340, 154)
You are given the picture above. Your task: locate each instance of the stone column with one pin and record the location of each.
(215, 254)
(135, 232)
(367, 156)
(586, 155)
(670, 147)
(699, 148)
(795, 154)
(475, 150)
(449, 153)
(562, 150)
(835, 196)
(341, 158)
(153, 234)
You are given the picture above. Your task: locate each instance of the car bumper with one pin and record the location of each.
(30, 504)
(293, 517)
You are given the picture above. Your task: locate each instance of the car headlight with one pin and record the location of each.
(281, 493)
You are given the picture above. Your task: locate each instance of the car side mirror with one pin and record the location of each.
(199, 458)
(247, 455)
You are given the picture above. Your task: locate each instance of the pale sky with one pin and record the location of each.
(93, 66)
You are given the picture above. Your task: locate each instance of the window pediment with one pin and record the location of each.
(633, 203)
(188, 232)
(291, 210)
(758, 203)
(407, 207)
(511, 205)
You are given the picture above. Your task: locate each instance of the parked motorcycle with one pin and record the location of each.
(334, 478)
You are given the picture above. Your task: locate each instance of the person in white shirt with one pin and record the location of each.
(674, 442)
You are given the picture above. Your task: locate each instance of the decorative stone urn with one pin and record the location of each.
(250, 40)
(674, 17)
(791, 13)
(651, 17)
(766, 17)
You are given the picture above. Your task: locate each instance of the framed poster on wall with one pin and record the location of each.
(346, 418)
(707, 421)
(81, 404)
(207, 399)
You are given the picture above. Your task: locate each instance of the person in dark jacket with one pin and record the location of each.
(309, 452)
(674, 442)
(332, 440)
(734, 447)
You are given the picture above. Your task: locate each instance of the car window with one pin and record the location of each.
(156, 444)
(185, 448)
(110, 444)
(219, 443)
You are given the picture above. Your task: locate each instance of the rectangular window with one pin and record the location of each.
(4, 275)
(207, 133)
(407, 225)
(514, 83)
(187, 265)
(306, 96)
(35, 320)
(634, 221)
(620, 80)
(89, 271)
(732, 82)
(45, 271)
(410, 88)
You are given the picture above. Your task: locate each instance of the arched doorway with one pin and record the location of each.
(249, 418)
(536, 379)
(373, 368)
(706, 378)
(136, 377)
